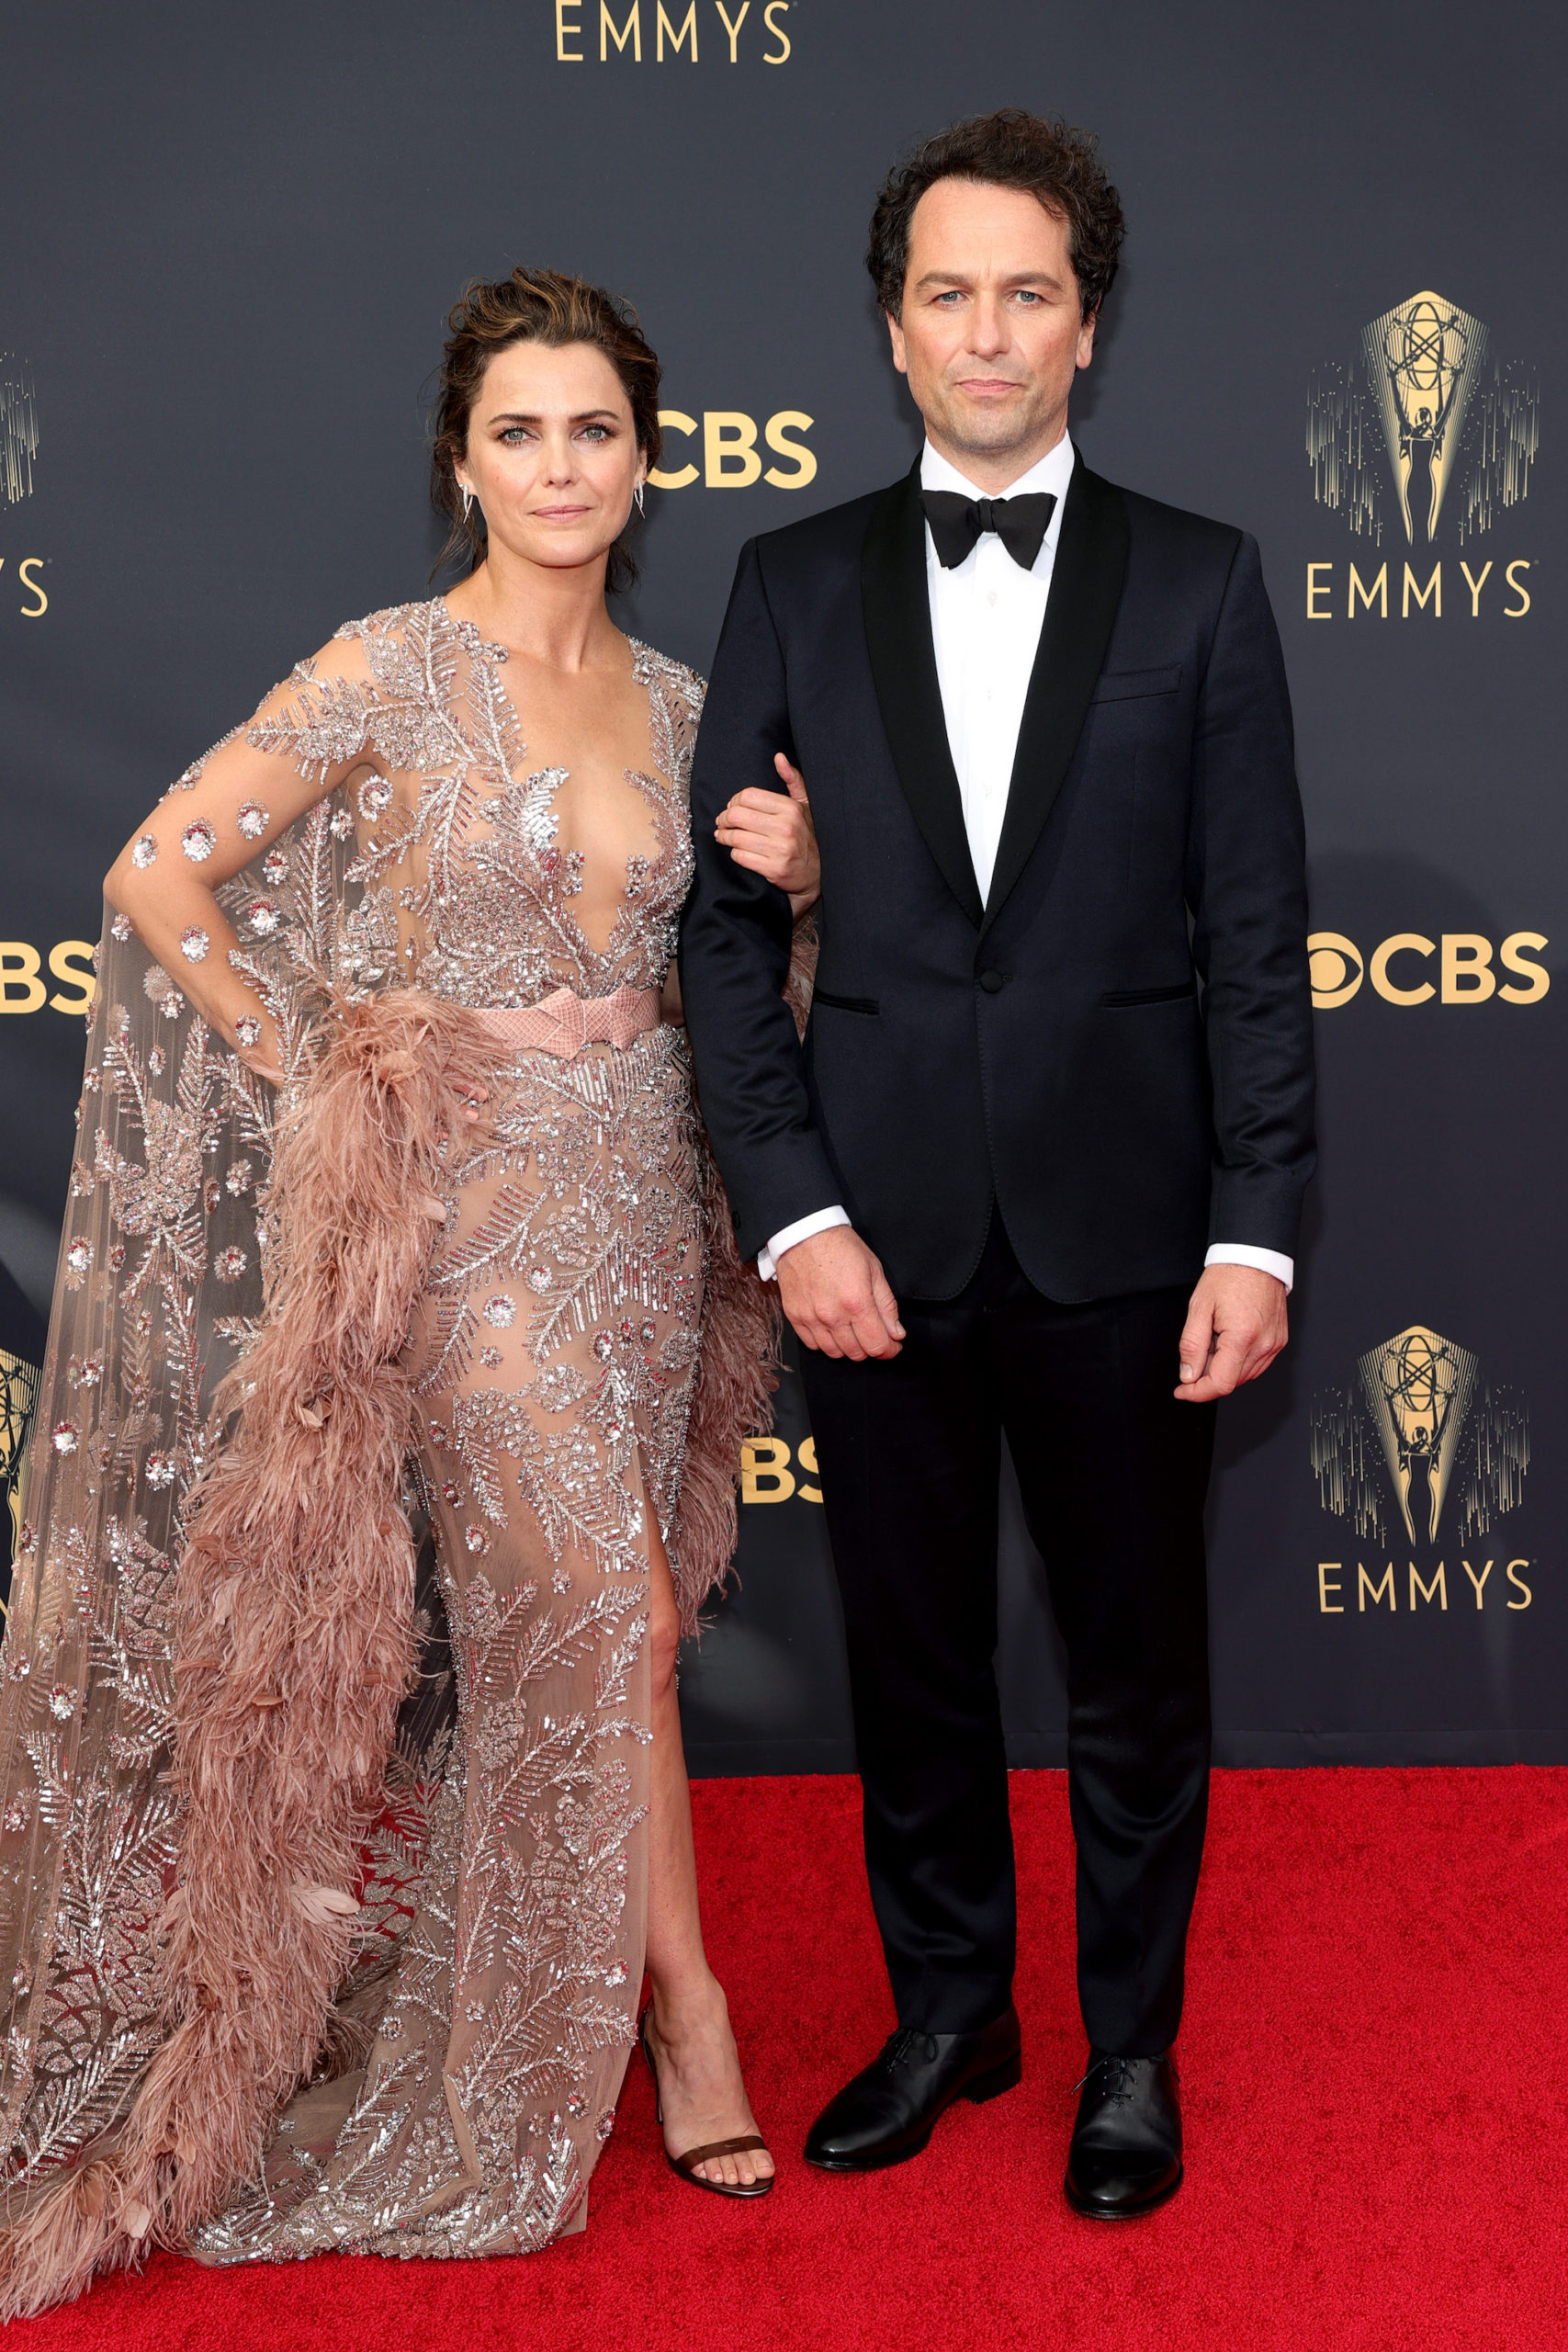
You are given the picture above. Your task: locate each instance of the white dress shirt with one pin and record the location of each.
(986, 619)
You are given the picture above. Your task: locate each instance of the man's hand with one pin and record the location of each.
(836, 1296)
(1236, 1326)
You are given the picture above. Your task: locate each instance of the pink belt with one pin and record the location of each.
(564, 1023)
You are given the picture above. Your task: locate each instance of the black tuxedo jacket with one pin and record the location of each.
(1050, 1050)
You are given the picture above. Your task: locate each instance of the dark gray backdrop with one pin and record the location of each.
(230, 236)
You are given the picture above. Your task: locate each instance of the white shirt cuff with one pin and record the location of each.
(1242, 1254)
(801, 1230)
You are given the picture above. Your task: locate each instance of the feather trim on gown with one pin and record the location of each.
(322, 1892)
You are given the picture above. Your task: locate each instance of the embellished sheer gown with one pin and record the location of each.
(446, 1993)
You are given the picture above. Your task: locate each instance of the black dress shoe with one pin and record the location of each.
(1126, 2154)
(887, 2113)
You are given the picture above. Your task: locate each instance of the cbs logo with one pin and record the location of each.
(731, 459)
(23, 988)
(765, 1473)
(1401, 968)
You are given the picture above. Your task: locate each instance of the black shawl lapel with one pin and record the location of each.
(903, 664)
(1086, 589)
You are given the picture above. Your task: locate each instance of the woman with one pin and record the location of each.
(326, 1915)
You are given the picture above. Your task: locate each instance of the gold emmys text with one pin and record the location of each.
(671, 36)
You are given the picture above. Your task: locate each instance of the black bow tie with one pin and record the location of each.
(957, 521)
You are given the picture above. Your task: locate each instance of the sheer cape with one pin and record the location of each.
(215, 1645)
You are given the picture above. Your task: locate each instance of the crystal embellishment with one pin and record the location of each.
(198, 841)
(375, 797)
(263, 917)
(145, 852)
(247, 1029)
(194, 944)
(500, 1312)
(583, 1200)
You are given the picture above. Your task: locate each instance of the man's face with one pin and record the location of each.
(990, 336)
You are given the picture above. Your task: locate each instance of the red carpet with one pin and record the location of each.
(1373, 2069)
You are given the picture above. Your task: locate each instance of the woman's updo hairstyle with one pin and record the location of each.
(531, 306)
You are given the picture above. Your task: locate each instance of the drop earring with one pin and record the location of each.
(637, 495)
(467, 502)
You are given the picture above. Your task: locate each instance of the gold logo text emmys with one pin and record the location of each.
(1383, 1588)
(36, 602)
(1412, 598)
(672, 37)
(1408, 969)
(1425, 425)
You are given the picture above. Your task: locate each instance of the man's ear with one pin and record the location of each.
(895, 336)
(1086, 336)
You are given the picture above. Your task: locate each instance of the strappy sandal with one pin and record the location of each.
(685, 2168)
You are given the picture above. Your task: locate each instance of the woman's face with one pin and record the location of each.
(552, 455)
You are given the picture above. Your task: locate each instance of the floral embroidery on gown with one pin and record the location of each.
(585, 1354)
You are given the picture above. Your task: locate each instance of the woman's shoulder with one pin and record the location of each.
(343, 697)
(396, 651)
(360, 648)
(683, 683)
(396, 625)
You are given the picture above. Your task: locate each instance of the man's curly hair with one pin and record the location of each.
(1058, 166)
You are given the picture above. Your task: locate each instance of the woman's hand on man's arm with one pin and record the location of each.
(775, 837)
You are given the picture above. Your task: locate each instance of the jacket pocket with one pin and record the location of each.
(845, 1004)
(1126, 686)
(1118, 997)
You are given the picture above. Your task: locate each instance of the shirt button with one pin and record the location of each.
(993, 982)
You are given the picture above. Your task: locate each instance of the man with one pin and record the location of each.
(1020, 1177)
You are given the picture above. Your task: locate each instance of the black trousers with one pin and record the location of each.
(1113, 1473)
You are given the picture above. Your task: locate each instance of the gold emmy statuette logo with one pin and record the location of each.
(19, 429)
(18, 1399)
(1425, 438)
(1424, 357)
(1417, 1447)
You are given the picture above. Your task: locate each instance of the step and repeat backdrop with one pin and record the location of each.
(231, 238)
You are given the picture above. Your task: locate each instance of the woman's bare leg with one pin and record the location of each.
(699, 2069)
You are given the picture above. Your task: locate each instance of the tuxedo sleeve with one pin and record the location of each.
(1247, 889)
(734, 944)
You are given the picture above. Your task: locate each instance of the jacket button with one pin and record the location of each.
(993, 982)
